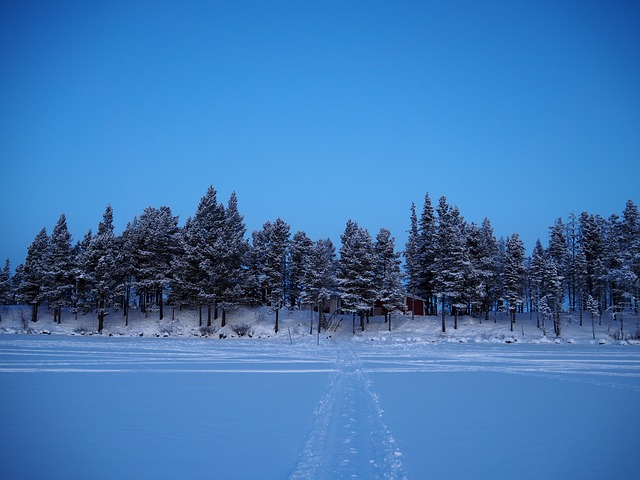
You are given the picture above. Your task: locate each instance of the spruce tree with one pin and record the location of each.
(33, 274)
(59, 278)
(274, 249)
(6, 287)
(300, 251)
(233, 257)
(630, 252)
(188, 276)
(452, 260)
(388, 277)
(427, 248)
(319, 276)
(208, 225)
(81, 298)
(553, 293)
(102, 266)
(571, 268)
(592, 245)
(412, 264)
(514, 271)
(536, 274)
(486, 267)
(154, 241)
(558, 252)
(356, 271)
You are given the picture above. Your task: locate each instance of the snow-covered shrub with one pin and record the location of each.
(243, 329)
(79, 330)
(207, 331)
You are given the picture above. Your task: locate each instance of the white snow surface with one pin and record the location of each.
(478, 402)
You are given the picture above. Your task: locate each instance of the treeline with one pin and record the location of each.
(591, 264)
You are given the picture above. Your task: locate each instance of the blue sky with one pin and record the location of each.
(317, 112)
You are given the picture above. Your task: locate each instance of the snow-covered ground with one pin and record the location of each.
(259, 324)
(412, 403)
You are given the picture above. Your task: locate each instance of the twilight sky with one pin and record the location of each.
(317, 112)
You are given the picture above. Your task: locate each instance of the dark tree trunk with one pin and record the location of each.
(160, 303)
(621, 327)
(209, 315)
(444, 326)
(311, 322)
(199, 315)
(126, 305)
(277, 312)
(143, 302)
(224, 317)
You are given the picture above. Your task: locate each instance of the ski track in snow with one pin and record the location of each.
(349, 438)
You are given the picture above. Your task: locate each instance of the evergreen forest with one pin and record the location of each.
(588, 265)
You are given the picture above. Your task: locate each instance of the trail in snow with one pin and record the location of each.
(350, 438)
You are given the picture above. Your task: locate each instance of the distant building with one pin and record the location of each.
(415, 304)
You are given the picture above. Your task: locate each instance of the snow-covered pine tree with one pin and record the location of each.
(427, 248)
(319, 276)
(558, 250)
(16, 281)
(553, 293)
(501, 252)
(81, 297)
(571, 269)
(514, 271)
(452, 260)
(486, 267)
(102, 267)
(233, 255)
(412, 265)
(6, 287)
(630, 252)
(620, 260)
(187, 274)
(254, 286)
(536, 276)
(356, 271)
(387, 274)
(208, 225)
(580, 268)
(592, 244)
(299, 255)
(271, 246)
(475, 285)
(153, 245)
(59, 279)
(127, 259)
(558, 253)
(32, 277)
(593, 307)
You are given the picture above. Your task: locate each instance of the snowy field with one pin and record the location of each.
(78, 407)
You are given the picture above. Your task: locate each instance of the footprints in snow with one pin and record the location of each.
(349, 438)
